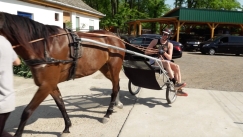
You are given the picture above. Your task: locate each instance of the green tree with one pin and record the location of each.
(118, 12)
(209, 4)
(155, 9)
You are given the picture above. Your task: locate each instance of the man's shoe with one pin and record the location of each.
(179, 85)
(181, 93)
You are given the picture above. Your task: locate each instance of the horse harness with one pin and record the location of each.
(75, 53)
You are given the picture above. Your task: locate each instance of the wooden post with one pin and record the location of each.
(241, 26)
(212, 27)
(139, 28)
(178, 30)
(135, 29)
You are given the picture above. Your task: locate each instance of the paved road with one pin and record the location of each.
(204, 113)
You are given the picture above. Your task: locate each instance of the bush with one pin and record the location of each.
(22, 70)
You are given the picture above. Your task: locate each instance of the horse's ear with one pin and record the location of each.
(1, 20)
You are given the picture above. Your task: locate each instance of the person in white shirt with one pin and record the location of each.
(8, 58)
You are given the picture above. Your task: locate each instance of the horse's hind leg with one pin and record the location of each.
(112, 73)
(105, 70)
(56, 95)
(118, 102)
(39, 96)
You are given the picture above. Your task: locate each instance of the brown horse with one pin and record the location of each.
(50, 62)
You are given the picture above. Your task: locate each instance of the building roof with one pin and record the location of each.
(77, 4)
(161, 19)
(206, 15)
(74, 5)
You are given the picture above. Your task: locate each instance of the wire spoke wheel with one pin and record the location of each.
(133, 89)
(170, 93)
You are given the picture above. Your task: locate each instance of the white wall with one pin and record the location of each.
(86, 20)
(45, 15)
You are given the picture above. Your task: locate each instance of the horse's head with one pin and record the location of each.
(21, 31)
(5, 30)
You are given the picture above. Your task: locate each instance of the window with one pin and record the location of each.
(77, 24)
(236, 39)
(91, 27)
(91, 24)
(148, 40)
(56, 17)
(224, 40)
(24, 14)
(137, 41)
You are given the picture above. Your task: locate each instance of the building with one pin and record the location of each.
(189, 18)
(74, 14)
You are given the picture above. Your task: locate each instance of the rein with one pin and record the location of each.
(150, 50)
(40, 39)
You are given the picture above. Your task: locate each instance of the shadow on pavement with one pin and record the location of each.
(74, 103)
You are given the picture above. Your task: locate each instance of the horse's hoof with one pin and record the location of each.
(105, 120)
(120, 105)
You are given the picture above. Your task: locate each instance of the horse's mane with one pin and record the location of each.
(23, 30)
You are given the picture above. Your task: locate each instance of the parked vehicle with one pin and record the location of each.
(127, 38)
(191, 42)
(192, 45)
(145, 39)
(223, 44)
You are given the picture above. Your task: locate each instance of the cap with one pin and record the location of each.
(167, 31)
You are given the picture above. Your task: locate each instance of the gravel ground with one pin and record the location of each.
(217, 72)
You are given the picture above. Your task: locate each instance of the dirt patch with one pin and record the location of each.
(217, 72)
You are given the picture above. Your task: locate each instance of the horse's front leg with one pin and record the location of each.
(59, 101)
(39, 96)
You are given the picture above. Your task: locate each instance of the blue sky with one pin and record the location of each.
(170, 2)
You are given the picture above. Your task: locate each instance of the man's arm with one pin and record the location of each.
(151, 45)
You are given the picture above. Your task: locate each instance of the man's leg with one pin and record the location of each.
(166, 65)
(177, 73)
(3, 119)
(176, 70)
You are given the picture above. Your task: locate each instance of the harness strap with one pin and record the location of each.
(47, 60)
(33, 62)
(76, 47)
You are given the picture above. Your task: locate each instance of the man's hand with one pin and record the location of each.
(17, 62)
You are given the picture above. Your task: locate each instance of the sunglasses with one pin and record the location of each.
(164, 34)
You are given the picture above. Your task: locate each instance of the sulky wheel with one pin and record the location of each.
(133, 89)
(170, 93)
